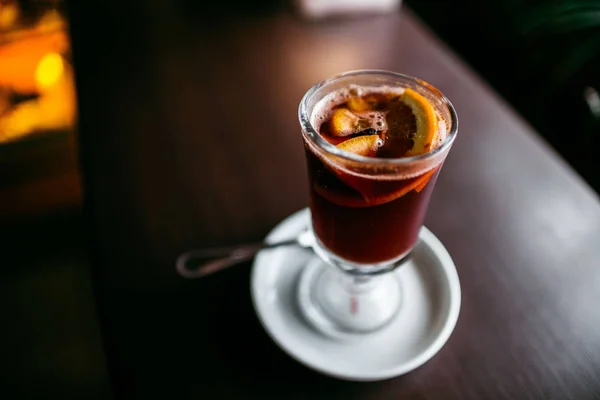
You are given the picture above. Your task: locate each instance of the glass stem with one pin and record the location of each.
(357, 288)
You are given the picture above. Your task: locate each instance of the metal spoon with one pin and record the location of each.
(218, 258)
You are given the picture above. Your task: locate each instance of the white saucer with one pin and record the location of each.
(428, 314)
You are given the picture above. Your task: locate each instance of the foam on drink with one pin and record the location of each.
(324, 109)
(372, 120)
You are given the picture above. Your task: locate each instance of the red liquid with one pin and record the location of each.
(363, 219)
(366, 234)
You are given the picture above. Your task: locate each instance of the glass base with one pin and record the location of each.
(342, 305)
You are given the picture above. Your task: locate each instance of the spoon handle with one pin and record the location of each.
(215, 259)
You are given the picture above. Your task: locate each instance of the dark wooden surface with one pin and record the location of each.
(189, 137)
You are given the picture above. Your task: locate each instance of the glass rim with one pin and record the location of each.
(324, 145)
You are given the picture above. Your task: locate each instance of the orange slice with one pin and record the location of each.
(425, 181)
(347, 200)
(422, 185)
(426, 121)
(343, 122)
(363, 145)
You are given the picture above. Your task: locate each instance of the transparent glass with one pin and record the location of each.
(359, 240)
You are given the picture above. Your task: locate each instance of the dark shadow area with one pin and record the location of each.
(51, 343)
(204, 340)
(542, 56)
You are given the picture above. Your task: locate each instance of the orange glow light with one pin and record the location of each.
(49, 70)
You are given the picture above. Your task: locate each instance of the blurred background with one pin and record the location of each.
(50, 338)
(542, 56)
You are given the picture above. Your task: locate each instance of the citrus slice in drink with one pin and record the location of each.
(344, 122)
(426, 121)
(378, 193)
(364, 191)
(363, 145)
(425, 181)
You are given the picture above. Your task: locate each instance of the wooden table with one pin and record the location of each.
(190, 138)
